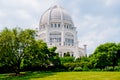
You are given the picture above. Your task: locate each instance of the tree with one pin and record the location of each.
(12, 46)
(54, 57)
(36, 54)
(100, 60)
(118, 50)
(105, 55)
(112, 56)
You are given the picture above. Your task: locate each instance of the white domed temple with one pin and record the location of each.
(56, 28)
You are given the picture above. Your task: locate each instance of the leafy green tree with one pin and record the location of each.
(112, 56)
(54, 57)
(12, 46)
(41, 54)
(105, 55)
(19, 46)
(118, 50)
(100, 60)
(104, 47)
(36, 54)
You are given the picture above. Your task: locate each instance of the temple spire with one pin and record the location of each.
(56, 2)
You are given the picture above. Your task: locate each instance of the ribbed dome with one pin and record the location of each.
(55, 14)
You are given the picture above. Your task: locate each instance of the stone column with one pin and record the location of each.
(47, 34)
(85, 50)
(62, 35)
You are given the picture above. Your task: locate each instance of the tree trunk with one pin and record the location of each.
(17, 73)
(17, 69)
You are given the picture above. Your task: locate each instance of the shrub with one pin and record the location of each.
(109, 69)
(85, 68)
(95, 69)
(117, 68)
(78, 69)
(6, 69)
(67, 59)
(70, 66)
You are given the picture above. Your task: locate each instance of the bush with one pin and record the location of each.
(109, 69)
(70, 66)
(67, 59)
(95, 69)
(6, 69)
(117, 68)
(86, 68)
(78, 69)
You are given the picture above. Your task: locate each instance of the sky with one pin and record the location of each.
(97, 21)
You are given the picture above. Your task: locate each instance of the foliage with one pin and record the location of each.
(105, 55)
(83, 61)
(99, 60)
(36, 54)
(19, 48)
(12, 45)
(78, 69)
(71, 66)
(54, 57)
(67, 54)
(67, 59)
(118, 50)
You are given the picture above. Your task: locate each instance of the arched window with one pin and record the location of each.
(55, 25)
(64, 25)
(51, 25)
(58, 25)
(69, 39)
(55, 37)
(67, 26)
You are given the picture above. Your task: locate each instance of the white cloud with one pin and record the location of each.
(93, 39)
(111, 2)
(2, 14)
(22, 14)
(97, 30)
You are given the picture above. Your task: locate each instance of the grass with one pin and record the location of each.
(63, 76)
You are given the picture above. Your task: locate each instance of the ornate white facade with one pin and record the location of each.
(56, 28)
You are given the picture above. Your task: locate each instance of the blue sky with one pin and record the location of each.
(97, 21)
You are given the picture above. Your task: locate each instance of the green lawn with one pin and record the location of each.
(64, 76)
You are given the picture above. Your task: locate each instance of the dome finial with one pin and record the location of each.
(56, 3)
